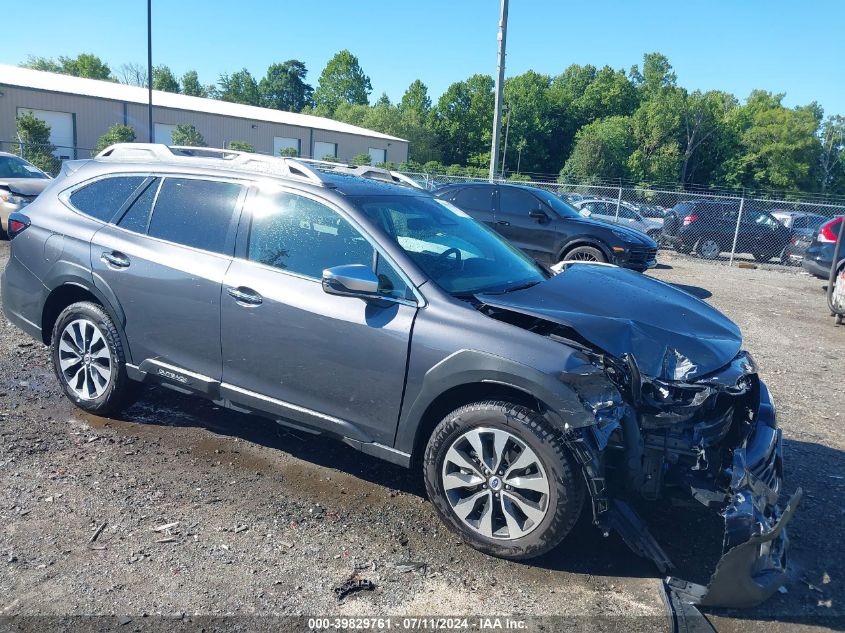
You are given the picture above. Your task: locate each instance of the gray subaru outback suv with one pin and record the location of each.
(357, 306)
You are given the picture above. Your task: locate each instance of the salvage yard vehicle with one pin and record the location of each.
(620, 213)
(365, 309)
(709, 228)
(20, 183)
(549, 229)
(818, 256)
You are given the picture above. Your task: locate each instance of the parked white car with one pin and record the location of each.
(605, 210)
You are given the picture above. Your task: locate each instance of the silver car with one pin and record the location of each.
(606, 210)
(351, 303)
(20, 183)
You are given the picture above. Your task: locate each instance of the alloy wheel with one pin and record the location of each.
(84, 359)
(709, 249)
(495, 483)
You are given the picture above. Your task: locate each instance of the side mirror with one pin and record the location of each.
(538, 214)
(351, 280)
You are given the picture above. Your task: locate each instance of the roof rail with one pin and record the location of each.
(364, 171)
(271, 165)
(287, 167)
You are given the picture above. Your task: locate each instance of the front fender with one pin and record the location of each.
(471, 367)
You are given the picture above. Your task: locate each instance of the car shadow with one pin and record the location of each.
(695, 291)
(689, 533)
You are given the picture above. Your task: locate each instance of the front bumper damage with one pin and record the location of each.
(716, 440)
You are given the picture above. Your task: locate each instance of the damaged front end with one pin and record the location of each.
(693, 431)
(714, 438)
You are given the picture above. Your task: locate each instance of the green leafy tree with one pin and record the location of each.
(241, 146)
(601, 152)
(707, 139)
(384, 117)
(164, 79)
(361, 159)
(185, 134)
(284, 87)
(34, 136)
(531, 118)
(239, 87)
(83, 65)
(191, 85)
(416, 100)
(288, 151)
(463, 119)
(779, 146)
(656, 75)
(117, 133)
(832, 159)
(342, 81)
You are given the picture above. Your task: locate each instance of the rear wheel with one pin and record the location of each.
(585, 254)
(88, 359)
(708, 248)
(500, 476)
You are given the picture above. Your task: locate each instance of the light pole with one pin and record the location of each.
(508, 113)
(150, 66)
(500, 81)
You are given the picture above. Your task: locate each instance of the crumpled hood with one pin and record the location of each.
(25, 186)
(671, 334)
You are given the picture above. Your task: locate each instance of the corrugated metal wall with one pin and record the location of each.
(94, 116)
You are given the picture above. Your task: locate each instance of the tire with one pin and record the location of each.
(86, 334)
(549, 464)
(585, 254)
(708, 248)
(763, 257)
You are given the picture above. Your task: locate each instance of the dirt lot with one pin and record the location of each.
(269, 521)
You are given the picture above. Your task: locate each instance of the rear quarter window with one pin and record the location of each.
(103, 198)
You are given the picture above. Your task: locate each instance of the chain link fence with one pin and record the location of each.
(712, 225)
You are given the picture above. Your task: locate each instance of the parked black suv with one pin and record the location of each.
(549, 229)
(708, 228)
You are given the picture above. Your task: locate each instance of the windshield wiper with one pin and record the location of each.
(514, 288)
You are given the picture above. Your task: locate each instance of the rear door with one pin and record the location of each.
(476, 201)
(164, 258)
(538, 238)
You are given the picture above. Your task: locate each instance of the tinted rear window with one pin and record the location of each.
(103, 198)
(196, 213)
(475, 199)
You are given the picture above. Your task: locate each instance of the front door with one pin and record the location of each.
(537, 237)
(166, 264)
(331, 362)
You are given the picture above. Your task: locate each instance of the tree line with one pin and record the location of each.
(586, 125)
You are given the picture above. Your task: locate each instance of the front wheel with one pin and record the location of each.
(500, 476)
(88, 359)
(585, 254)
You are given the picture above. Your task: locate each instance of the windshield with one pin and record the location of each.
(14, 167)
(563, 209)
(460, 255)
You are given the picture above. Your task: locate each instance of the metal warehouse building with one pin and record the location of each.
(80, 110)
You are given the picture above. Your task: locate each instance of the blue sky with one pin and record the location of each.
(734, 45)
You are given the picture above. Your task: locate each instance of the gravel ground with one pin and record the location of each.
(267, 521)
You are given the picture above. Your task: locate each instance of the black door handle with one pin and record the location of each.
(245, 296)
(503, 222)
(115, 259)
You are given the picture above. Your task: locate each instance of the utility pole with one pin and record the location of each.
(500, 85)
(150, 65)
(508, 111)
